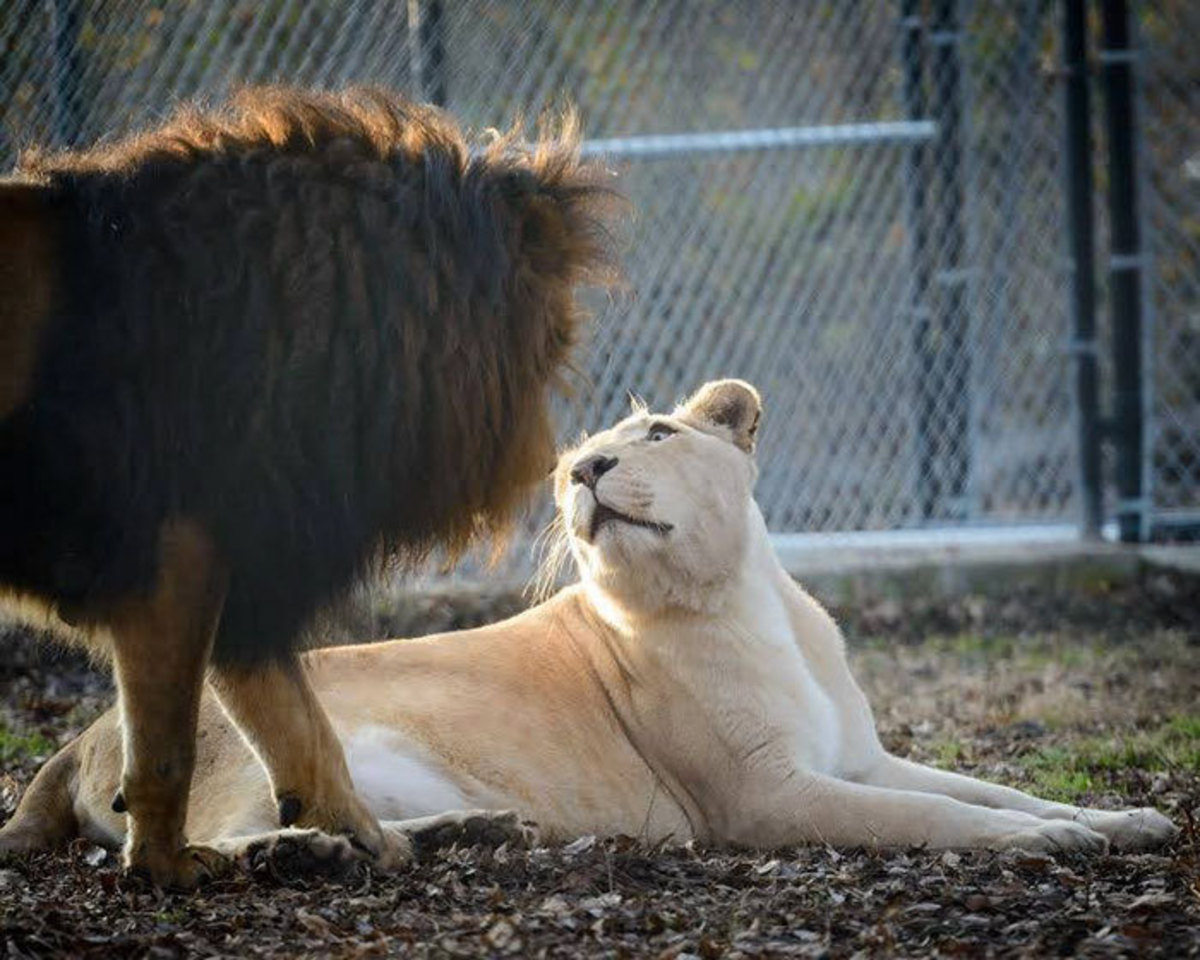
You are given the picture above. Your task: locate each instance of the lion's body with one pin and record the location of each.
(247, 355)
(686, 687)
(316, 325)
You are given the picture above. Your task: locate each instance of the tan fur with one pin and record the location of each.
(686, 687)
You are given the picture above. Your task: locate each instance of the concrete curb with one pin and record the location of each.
(848, 577)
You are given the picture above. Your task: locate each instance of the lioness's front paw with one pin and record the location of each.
(1054, 836)
(296, 853)
(1132, 830)
(471, 827)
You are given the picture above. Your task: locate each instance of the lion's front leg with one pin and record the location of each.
(1128, 829)
(161, 645)
(277, 711)
(817, 808)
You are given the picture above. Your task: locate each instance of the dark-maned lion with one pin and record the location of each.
(242, 357)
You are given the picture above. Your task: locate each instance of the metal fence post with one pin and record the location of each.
(1125, 266)
(1077, 173)
(950, 384)
(912, 55)
(65, 18)
(427, 51)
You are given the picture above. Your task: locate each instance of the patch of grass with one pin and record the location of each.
(1067, 773)
(948, 754)
(19, 746)
(1186, 726)
(972, 647)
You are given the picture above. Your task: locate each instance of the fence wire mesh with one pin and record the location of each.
(880, 249)
(1171, 103)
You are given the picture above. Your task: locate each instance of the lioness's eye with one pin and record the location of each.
(659, 431)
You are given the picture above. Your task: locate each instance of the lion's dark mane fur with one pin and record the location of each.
(316, 323)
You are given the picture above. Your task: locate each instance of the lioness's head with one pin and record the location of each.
(657, 508)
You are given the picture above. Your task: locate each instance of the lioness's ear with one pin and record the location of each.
(729, 403)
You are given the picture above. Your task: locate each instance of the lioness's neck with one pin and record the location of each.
(646, 599)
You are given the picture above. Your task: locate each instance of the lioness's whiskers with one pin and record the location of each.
(552, 548)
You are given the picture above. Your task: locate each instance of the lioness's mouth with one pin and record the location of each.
(605, 514)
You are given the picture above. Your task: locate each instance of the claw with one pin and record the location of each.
(289, 809)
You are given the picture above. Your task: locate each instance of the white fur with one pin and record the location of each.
(396, 783)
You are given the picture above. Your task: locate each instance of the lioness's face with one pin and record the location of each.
(660, 502)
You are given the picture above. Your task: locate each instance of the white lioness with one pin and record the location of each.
(685, 686)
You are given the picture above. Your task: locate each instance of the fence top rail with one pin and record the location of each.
(829, 135)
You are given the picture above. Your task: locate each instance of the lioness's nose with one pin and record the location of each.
(592, 469)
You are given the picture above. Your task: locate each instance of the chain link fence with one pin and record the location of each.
(856, 206)
(1171, 104)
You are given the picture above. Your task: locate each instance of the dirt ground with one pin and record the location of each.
(1093, 697)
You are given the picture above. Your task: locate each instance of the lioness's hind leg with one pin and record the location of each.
(45, 817)
(843, 813)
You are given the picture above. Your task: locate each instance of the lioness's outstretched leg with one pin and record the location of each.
(161, 645)
(828, 810)
(276, 710)
(1129, 829)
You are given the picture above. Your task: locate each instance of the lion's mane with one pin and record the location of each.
(319, 324)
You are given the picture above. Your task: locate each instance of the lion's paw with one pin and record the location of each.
(1055, 836)
(183, 869)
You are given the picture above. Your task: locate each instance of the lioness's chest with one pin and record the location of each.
(757, 699)
(795, 712)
